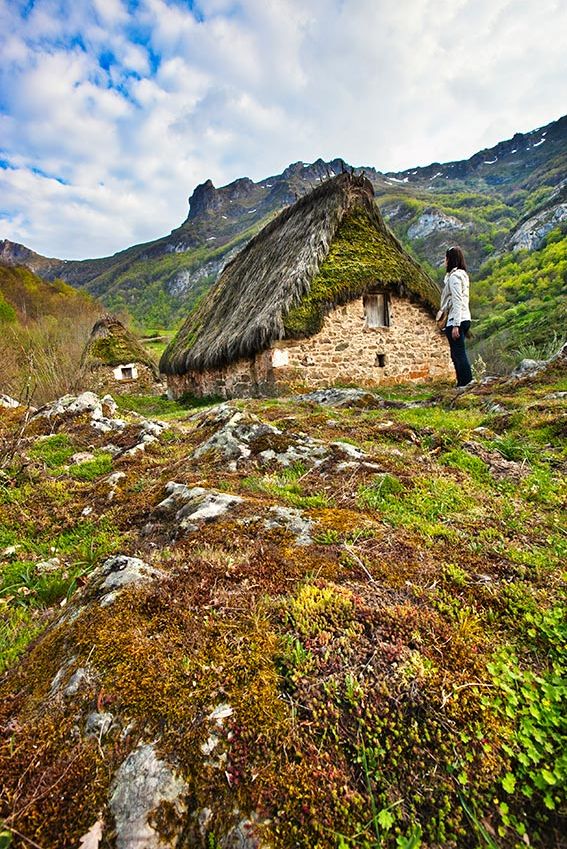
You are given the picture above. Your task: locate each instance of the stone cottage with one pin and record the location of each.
(114, 360)
(323, 295)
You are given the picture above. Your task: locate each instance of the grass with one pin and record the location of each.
(159, 406)
(54, 450)
(286, 486)
(397, 683)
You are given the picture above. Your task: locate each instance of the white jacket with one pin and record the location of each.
(455, 297)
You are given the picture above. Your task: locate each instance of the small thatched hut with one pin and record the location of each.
(324, 294)
(115, 360)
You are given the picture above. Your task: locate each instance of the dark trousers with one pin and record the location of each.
(459, 353)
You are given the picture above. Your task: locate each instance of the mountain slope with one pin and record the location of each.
(43, 331)
(481, 203)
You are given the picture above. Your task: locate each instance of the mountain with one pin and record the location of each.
(505, 198)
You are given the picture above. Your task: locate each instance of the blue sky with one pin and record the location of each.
(111, 111)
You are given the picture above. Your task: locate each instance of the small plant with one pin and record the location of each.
(542, 350)
(328, 536)
(534, 705)
(479, 368)
(381, 487)
(93, 469)
(54, 450)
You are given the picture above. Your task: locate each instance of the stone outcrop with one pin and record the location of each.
(531, 235)
(143, 783)
(434, 221)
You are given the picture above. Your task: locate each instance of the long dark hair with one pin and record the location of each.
(455, 259)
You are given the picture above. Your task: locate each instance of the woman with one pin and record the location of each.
(455, 304)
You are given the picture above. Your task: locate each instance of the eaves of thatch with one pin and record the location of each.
(323, 251)
(111, 344)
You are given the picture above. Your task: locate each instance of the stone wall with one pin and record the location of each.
(344, 351)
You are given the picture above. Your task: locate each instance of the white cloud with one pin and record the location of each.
(133, 104)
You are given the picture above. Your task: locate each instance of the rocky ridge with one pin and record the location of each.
(477, 201)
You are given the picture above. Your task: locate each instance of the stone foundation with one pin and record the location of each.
(345, 351)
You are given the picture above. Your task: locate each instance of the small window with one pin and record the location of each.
(376, 310)
(280, 357)
(380, 360)
(127, 373)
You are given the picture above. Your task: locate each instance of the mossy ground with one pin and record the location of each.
(396, 683)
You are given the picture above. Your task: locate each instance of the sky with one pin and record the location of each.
(112, 111)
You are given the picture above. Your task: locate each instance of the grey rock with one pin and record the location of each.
(350, 450)
(244, 835)
(306, 451)
(233, 438)
(136, 449)
(293, 520)
(342, 398)
(220, 713)
(113, 479)
(78, 680)
(528, 367)
(98, 724)
(193, 505)
(494, 407)
(8, 402)
(433, 221)
(353, 465)
(72, 405)
(51, 565)
(153, 428)
(82, 457)
(140, 785)
(60, 676)
(107, 425)
(240, 435)
(210, 744)
(108, 402)
(532, 233)
(113, 450)
(119, 572)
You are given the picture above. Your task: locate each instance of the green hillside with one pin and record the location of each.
(26, 298)
(520, 303)
(44, 328)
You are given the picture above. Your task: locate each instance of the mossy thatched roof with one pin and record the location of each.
(325, 250)
(111, 344)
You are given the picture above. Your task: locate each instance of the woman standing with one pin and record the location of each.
(455, 303)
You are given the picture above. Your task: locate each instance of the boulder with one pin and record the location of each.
(193, 505)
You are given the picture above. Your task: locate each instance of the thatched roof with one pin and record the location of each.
(325, 250)
(111, 344)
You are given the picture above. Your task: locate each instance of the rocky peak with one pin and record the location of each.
(241, 188)
(12, 253)
(207, 199)
(203, 200)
